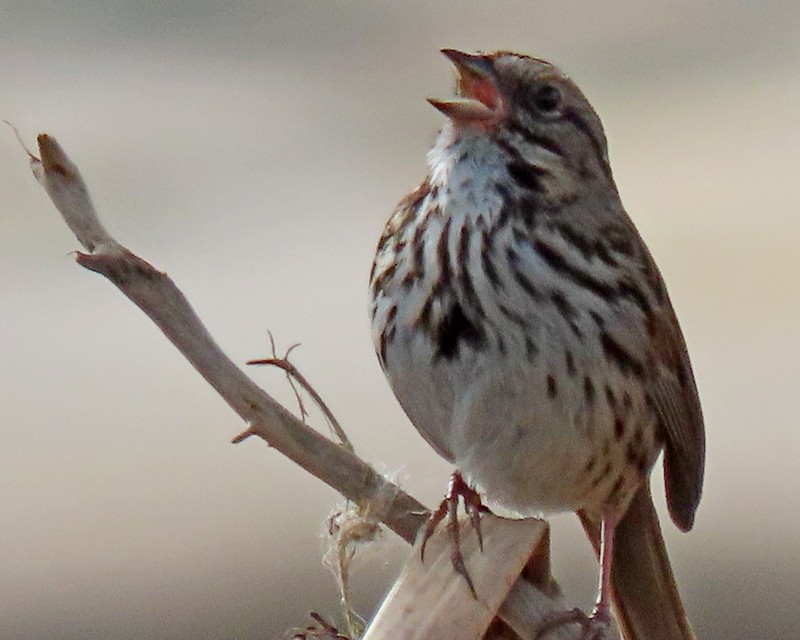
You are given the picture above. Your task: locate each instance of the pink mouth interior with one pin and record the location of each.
(481, 89)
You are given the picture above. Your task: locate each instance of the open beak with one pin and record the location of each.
(477, 98)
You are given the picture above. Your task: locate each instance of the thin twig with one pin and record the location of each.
(298, 397)
(321, 630)
(31, 157)
(293, 373)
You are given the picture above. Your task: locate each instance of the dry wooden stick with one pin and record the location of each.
(155, 294)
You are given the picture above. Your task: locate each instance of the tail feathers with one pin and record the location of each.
(646, 599)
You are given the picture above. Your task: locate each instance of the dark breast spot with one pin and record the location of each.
(454, 330)
(625, 361)
(552, 388)
(598, 319)
(568, 312)
(379, 282)
(526, 175)
(628, 290)
(627, 402)
(531, 350)
(382, 351)
(616, 490)
(588, 390)
(501, 345)
(604, 473)
(487, 260)
(570, 361)
(610, 397)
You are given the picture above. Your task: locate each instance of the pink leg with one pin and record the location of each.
(595, 625)
(602, 608)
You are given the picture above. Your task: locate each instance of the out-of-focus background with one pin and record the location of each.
(254, 150)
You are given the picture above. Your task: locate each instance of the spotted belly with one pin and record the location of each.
(529, 431)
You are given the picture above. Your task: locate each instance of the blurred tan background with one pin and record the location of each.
(254, 150)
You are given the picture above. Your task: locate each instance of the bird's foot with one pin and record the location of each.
(594, 625)
(449, 507)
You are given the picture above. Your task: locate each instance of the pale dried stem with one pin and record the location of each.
(155, 294)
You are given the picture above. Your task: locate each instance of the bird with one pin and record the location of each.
(527, 333)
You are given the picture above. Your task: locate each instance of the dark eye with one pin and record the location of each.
(547, 100)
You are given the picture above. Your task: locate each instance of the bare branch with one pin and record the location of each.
(155, 294)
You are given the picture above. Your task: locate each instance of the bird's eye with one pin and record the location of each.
(547, 100)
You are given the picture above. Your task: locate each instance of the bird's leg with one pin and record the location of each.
(602, 608)
(595, 624)
(449, 507)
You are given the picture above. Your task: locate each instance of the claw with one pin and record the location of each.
(430, 526)
(460, 568)
(449, 507)
(475, 508)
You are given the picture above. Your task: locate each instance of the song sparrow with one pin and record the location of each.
(526, 330)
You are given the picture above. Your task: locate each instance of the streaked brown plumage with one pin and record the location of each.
(526, 330)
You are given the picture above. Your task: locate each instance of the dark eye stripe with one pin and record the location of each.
(573, 117)
(548, 144)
